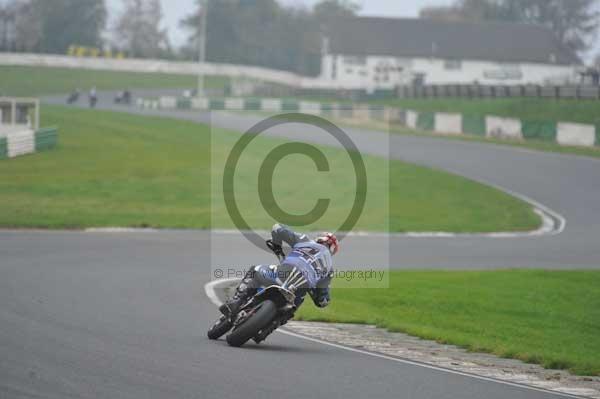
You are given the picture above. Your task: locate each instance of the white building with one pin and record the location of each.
(382, 53)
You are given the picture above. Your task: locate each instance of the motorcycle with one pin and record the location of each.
(73, 97)
(123, 98)
(262, 314)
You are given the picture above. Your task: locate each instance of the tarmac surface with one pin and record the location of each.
(124, 314)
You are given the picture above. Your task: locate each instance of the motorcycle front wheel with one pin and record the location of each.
(219, 328)
(263, 314)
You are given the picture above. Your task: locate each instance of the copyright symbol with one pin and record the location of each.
(218, 273)
(265, 184)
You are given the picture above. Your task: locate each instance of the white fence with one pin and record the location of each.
(160, 66)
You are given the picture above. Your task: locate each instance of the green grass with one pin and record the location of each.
(116, 169)
(550, 318)
(34, 81)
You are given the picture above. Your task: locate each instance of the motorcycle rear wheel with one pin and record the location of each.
(250, 328)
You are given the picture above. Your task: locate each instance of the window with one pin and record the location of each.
(504, 72)
(453, 65)
(355, 60)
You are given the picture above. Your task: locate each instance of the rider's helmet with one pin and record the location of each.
(330, 241)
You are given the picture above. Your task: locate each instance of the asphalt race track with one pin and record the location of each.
(124, 315)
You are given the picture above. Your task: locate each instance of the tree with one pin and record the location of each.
(470, 10)
(67, 22)
(264, 33)
(326, 10)
(441, 13)
(573, 22)
(28, 27)
(7, 25)
(139, 31)
(20, 28)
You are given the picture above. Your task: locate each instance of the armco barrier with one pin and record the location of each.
(234, 103)
(310, 107)
(217, 104)
(503, 128)
(271, 104)
(361, 114)
(576, 134)
(290, 106)
(379, 113)
(46, 139)
(473, 125)
(27, 141)
(327, 110)
(168, 102)
(252, 104)
(200, 103)
(563, 133)
(426, 121)
(20, 143)
(448, 123)
(184, 103)
(346, 110)
(411, 119)
(539, 130)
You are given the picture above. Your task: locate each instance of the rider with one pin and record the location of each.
(313, 258)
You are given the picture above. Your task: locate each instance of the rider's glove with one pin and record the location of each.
(277, 249)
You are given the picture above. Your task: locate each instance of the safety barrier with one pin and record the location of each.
(28, 141)
(490, 126)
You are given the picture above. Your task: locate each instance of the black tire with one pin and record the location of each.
(219, 328)
(250, 328)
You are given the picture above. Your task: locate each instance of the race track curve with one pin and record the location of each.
(123, 315)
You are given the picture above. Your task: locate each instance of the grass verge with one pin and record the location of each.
(116, 169)
(550, 318)
(34, 81)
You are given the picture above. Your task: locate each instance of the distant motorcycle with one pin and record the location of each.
(123, 98)
(93, 97)
(266, 311)
(73, 97)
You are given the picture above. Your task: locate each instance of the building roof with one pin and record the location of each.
(501, 42)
